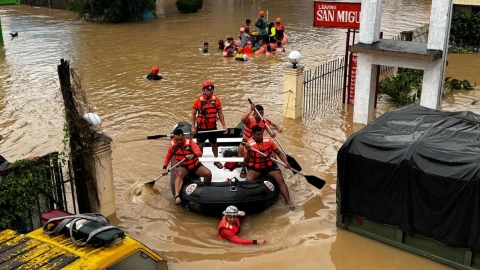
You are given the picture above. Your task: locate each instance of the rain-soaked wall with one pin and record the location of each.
(59, 4)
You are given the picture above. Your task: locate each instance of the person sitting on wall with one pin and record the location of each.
(229, 227)
(154, 74)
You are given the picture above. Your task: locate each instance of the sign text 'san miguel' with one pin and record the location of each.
(337, 14)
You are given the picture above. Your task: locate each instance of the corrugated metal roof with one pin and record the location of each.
(17, 250)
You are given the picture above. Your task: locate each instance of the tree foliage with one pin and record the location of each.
(20, 190)
(465, 28)
(189, 6)
(113, 11)
(405, 88)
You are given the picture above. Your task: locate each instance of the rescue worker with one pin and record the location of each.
(154, 74)
(271, 33)
(259, 165)
(180, 148)
(207, 109)
(262, 25)
(229, 227)
(249, 120)
(247, 25)
(279, 30)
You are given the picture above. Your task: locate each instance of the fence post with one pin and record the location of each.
(293, 92)
(102, 168)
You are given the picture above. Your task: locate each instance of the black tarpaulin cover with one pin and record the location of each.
(418, 169)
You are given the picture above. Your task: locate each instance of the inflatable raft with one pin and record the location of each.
(227, 188)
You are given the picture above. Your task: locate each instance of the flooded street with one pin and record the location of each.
(113, 61)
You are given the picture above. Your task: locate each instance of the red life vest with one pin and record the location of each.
(230, 165)
(256, 160)
(180, 153)
(279, 29)
(247, 131)
(224, 224)
(242, 29)
(207, 115)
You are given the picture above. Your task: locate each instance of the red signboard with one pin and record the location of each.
(353, 77)
(336, 14)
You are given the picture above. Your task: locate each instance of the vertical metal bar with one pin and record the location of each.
(345, 68)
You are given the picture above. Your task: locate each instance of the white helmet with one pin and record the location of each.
(231, 211)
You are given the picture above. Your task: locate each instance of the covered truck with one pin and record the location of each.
(411, 179)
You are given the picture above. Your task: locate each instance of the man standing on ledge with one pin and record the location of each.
(207, 109)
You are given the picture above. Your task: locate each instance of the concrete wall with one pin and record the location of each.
(58, 4)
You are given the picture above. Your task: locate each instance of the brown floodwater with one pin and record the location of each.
(113, 60)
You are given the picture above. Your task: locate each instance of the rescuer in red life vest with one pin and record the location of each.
(207, 110)
(181, 148)
(250, 119)
(259, 165)
(229, 227)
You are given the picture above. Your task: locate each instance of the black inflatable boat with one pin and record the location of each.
(227, 188)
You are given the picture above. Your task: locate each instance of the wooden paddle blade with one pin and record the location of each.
(294, 164)
(315, 181)
(156, 136)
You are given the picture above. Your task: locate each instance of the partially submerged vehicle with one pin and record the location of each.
(106, 248)
(411, 179)
(227, 187)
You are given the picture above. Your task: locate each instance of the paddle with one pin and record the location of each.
(312, 179)
(293, 163)
(151, 183)
(152, 137)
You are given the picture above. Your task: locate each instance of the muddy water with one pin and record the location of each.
(113, 61)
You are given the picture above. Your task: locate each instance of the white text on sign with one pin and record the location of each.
(342, 16)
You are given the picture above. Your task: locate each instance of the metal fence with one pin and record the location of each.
(63, 196)
(322, 86)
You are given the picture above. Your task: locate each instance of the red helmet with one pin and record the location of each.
(155, 69)
(262, 13)
(207, 83)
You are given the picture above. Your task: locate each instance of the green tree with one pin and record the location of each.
(465, 28)
(113, 11)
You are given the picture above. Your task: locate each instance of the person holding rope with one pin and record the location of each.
(250, 119)
(207, 109)
(181, 148)
(229, 227)
(259, 165)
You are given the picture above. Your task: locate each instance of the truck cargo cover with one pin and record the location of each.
(417, 169)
